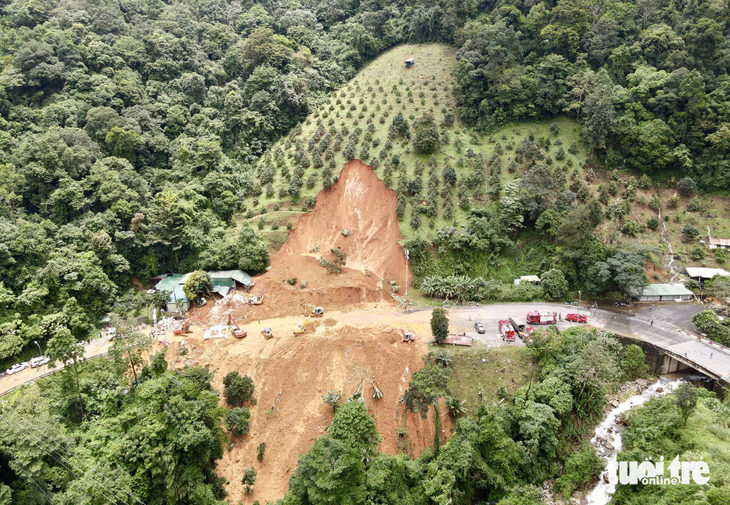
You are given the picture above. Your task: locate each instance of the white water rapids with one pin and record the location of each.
(602, 493)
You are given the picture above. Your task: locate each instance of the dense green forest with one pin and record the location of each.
(131, 132)
(137, 134)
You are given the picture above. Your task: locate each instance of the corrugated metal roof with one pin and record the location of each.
(724, 242)
(174, 284)
(179, 294)
(221, 290)
(663, 290)
(236, 275)
(530, 278)
(168, 283)
(706, 273)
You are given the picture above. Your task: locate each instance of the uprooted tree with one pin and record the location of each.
(338, 261)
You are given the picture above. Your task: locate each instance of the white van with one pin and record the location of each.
(39, 361)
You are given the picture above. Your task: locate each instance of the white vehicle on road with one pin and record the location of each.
(111, 332)
(39, 361)
(17, 368)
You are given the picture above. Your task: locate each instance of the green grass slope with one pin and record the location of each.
(366, 106)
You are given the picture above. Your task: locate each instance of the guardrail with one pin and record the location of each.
(693, 364)
(46, 375)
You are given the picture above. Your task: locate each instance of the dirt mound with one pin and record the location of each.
(291, 374)
(358, 202)
(361, 203)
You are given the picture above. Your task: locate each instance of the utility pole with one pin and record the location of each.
(579, 297)
(40, 353)
(405, 251)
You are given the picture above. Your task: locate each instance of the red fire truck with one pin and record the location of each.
(534, 317)
(507, 331)
(576, 318)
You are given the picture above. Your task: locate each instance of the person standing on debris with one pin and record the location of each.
(652, 323)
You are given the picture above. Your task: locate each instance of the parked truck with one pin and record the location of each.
(519, 326)
(535, 317)
(507, 331)
(576, 318)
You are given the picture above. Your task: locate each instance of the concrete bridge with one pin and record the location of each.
(668, 347)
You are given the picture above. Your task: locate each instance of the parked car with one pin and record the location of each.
(479, 327)
(39, 361)
(17, 368)
(111, 332)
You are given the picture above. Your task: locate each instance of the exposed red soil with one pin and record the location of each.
(360, 202)
(291, 374)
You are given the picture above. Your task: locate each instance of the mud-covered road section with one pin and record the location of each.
(358, 202)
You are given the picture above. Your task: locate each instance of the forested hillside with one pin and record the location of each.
(129, 130)
(569, 139)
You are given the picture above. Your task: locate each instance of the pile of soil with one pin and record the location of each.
(291, 374)
(358, 202)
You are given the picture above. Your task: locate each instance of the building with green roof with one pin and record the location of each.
(662, 293)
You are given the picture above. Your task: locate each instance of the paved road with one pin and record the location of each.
(9, 382)
(634, 322)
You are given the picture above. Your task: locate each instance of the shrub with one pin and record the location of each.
(686, 186)
(289, 225)
(238, 389)
(573, 148)
(633, 362)
(630, 228)
(329, 266)
(260, 450)
(698, 252)
(612, 188)
(439, 325)
(292, 281)
(249, 479)
(237, 421)
(655, 203)
(720, 254)
(554, 283)
(426, 140)
(695, 204)
(580, 468)
(554, 128)
(652, 224)
(690, 233)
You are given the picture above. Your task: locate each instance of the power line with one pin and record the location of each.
(48, 447)
(51, 452)
(59, 446)
(24, 471)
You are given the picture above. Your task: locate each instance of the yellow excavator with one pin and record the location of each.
(306, 326)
